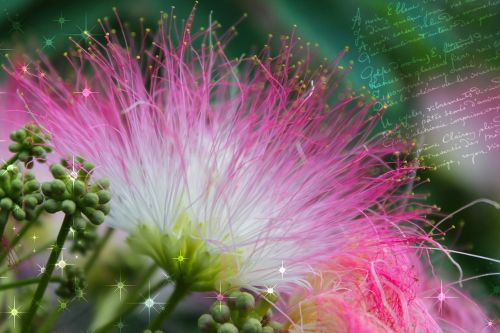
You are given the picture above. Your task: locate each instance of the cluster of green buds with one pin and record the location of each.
(73, 193)
(19, 193)
(72, 283)
(84, 240)
(30, 144)
(241, 313)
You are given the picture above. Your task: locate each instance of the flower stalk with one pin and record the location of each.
(49, 269)
(25, 282)
(179, 293)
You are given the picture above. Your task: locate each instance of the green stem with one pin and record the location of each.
(179, 293)
(130, 302)
(49, 269)
(89, 264)
(4, 217)
(10, 161)
(26, 282)
(16, 240)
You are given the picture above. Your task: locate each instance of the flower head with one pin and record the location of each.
(234, 171)
(372, 290)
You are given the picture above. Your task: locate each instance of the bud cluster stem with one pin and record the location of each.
(49, 269)
(10, 161)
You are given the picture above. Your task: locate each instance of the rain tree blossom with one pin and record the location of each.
(246, 173)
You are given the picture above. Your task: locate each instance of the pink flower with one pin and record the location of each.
(383, 289)
(240, 170)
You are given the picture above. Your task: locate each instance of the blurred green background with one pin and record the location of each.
(26, 25)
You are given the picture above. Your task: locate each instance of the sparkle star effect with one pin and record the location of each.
(85, 31)
(72, 232)
(61, 20)
(34, 238)
(63, 304)
(282, 270)
(150, 303)
(61, 264)
(270, 291)
(441, 297)
(41, 270)
(180, 258)
(80, 294)
(15, 24)
(86, 92)
(120, 325)
(48, 42)
(14, 312)
(120, 286)
(220, 296)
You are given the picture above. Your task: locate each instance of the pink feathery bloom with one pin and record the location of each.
(384, 289)
(236, 172)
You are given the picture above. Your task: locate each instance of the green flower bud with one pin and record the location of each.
(278, 327)
(78, 188)
(31, 186)
(97, 217)
(105, 208)
(245, 302)
(30, 201)
(16, 185)
(29, 176)
(88, 211)
(38, 196)
(57, 188)
(207, 324)
(231, 301)
(102, 183)
(104, 197)
(91, 200)
(18, 135)
(38, 151)
(220, 312)
(6, 203)
(47, 189)
(227, 328)
(58, 171)
(268, 329)
(68, 207)
(87, 167)
(18, 213)
(252, 325)
(15, 147)
(79, 223)
(24, 156)
(52, 206)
